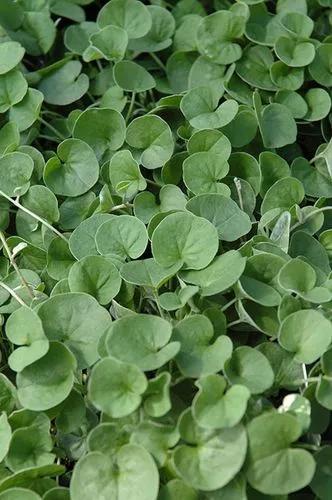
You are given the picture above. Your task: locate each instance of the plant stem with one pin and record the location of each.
(49, 138)
(13, 294)
(152, 183)
(119, 207)
(161, 313)
(311, 214)
(33, 215)
(229, 304)
(238, 186)
(305, 375)
(53, 129)
(131, 106)
(158, 61)
(15, 266)
(236, 322)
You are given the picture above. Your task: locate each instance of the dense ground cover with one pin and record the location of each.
(166, 246)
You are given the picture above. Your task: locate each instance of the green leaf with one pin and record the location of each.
(307, 334)
(250, 368)
(13, 87)
(142, 340)
(203, 171)
(116, 388)
(27, 111)
(152, 137)
(109, 130)
(38, 387)
(214, 407)
(158, 37)
(200, 107)
(230, 221)
(274, 467)
(132, 473)
(73, 171)
(223, 272)
(16, 170)
(125, 175)
(109, 43)
(215, 36)
(131, 15)
(96, 276)
(78, 316)
(64, 85)
(188, 246)
(122, 237)
(132, 77)
(277, 125)
(82, 239)
(25, 329)
(283, 194)
(147, 272)
(5, 435)
(216, 458)
(11, 53)
(199, 355)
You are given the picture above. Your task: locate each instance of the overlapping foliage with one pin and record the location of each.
(166, 235)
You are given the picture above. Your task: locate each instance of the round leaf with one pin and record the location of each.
(194, 241)
(116, 388)
(73, 171)
(142, 340)
(41, 388)
(96, 276)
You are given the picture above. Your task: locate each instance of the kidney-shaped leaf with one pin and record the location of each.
(142, 340)
(80, 322)
(25, 329)
(223, 272)
(129, 475)
(274, 467)
(48, 381)
(198, 356)
(250, 368)
(116, 388)
(96, 276)
(223, 212)
(15, 172)
(200, 107)
(216, 408)
(307, 334)
(193, 244)
(108, 127)
(151, 135)
(123, 237)
(73, 171)
(215, 461)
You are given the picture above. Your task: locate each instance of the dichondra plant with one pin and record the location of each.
(166, 249)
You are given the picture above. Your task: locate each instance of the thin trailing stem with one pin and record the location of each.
(156, 298)
(305, 375)
(152, 183)
(309, 215)
(12, 293)
(238, 186)
(236, 322)
(15, 266)
(49, 138)
(53, 129)
(229, 304)
(158, 61)
(119, 207)
(131, 106)
(34, 216)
